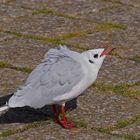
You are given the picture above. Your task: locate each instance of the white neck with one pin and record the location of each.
(92, 69)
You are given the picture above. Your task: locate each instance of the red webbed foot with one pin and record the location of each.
(63, 122)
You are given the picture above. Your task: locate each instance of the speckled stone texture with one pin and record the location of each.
(109, 109)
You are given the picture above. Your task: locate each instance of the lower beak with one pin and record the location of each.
(106, 51)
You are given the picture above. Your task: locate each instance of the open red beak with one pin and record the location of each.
(107, 50)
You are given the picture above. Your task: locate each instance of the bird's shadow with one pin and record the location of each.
(28, 115)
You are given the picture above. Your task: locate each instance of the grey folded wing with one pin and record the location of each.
(56, 75)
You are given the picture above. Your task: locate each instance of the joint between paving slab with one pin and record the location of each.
(9, 1)
(116, 5)
(123, 89)
(4, 64)
(24, 128)
(126, 136)
(7, 39)
(10, 132)
(52, 12)
(60, 39)
(114, 1)
(110, 8)
(120, 124)
(135, 58)
(77, 46)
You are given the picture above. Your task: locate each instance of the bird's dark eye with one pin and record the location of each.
(95, 56)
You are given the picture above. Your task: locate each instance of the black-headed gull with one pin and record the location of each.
(61, 76)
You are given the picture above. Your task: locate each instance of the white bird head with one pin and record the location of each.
(96, 57)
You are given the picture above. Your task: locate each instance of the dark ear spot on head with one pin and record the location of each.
(91, 61)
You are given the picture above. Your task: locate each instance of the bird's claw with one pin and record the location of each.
(65, 124)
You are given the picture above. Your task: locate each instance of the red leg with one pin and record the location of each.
(56, 119)
(63, 120)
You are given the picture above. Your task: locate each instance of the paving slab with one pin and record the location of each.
(29, 53)
(23, 52)
(122, 11)
(5, 37)
(32, 5)
(95, 108)
(50, 133)
(126, 41)
(9, 80)
(102, 110)
(119, 71)
(133, 129)
(11, 12)
(46, 25)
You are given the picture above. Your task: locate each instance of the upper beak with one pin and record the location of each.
(107, 50)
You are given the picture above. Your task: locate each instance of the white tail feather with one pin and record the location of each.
(3, 108)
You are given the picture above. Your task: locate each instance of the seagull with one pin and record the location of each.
(62, 76)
